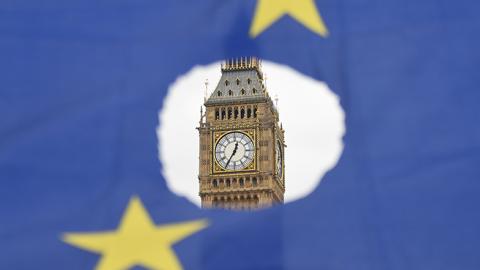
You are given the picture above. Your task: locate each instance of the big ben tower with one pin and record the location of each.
(241, 162)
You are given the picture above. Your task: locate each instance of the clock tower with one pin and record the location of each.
(241, 161)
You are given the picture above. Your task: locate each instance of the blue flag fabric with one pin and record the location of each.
(82, 82)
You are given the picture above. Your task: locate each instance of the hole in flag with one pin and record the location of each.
(310, 114)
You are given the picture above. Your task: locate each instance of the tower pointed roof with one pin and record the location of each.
(241, 81)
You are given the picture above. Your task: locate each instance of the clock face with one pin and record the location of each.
(279, 158)
(234, 151)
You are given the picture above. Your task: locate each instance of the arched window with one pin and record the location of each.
(230, 93)
(254, 90)
(227, 82)
(236, 113)
(217, 114)
(249, 113)
(223, 113)
(241, 182)
(242, 113)
(238, 82)
(219, 93)
(215, 183)
(242, 92)
(229, 113)
(254, 181)
(228, 183)
(249, 81)
(254, 112)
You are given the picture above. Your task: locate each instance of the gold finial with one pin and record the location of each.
(241, 63)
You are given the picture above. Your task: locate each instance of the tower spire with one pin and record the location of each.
(206, 91)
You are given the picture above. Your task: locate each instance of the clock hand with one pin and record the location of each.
(235, 149)
(233, 153)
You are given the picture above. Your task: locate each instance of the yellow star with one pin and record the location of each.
(137, 241)
(270, 11)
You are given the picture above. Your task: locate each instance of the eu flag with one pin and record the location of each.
(81, 84)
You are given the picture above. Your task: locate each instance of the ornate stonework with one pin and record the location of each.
(241, 162)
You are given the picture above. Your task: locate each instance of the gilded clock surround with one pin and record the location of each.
(240, 103)
(217, 135)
